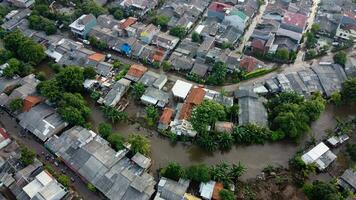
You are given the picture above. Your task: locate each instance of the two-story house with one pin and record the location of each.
(83, 25)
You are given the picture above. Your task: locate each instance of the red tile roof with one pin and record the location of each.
(127, 22)
(295, 19)
(258, 44)
(166, 116)
(97, 57)
(29, 102)
(216, 193)
(196, 96)
(137, 70)
(248, 63)
(186, 111)
(4, 134)
(158, 56)
(219, 7)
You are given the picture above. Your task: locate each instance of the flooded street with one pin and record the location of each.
(255, 157)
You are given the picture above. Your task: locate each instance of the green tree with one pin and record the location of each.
(336, 98)
(320, 190)
(71, 79)
(314, 107)
(96, 43)
(12, 69)
(90, 7)
(117, 141)
(348, 91)
(113, 114)
(225, 141)
(91, 187)
(27, 156)
(178, 31)
(198, 173)
(311, 40)
(119, 14)
(16, 105)
(50, 89)
(282, 54)
(236, 171)
(105, 130)
(207, 141)
(151, 115)
(251, 134)
(160, 20)
(206, 114)
(5, 55)
(226, 194)
(89, 73)
(167, 66)
(351, 150)
(340, 58)
(218, 75)
(139, 144)
(71, 115)
(173, 171)
(315, 28)
(64, 180)
(138, 89)
(221, 173)
(196, 37)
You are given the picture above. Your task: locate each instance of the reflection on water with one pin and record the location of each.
(255, 157)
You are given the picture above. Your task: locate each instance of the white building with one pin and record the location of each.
(319, 155)
(45, 187)
(181, 89)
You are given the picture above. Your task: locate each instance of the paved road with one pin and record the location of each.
(28, 140)
(310, 21)
(251, 28)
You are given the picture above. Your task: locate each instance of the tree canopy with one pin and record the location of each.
(178, 31)
(206, 114)
(27, 156)
(218, 75)
(71, 79)
(140, 144)
(24, 48)
(340, 58)
(320, 190)
(173, 171)
(348, 91)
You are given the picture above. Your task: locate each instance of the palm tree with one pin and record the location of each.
(237, 171)
(113, 114)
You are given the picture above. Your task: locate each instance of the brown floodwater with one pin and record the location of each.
(255, 157)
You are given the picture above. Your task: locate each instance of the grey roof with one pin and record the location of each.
(187, 47)
(104, 68)
(310, 80)
(42, 121)
(117, 92)
(160, 82)
(141, 160)
(154, 96)
(199, 69)
(181, 62)
(109, 171)
(172, 190)
(331, 77)
(149, 78)
(6, 83)
(107, 21)
(297, 84)
(230, 35)
(285, 43)
(251, 109)
(11, 23)
(348, 179)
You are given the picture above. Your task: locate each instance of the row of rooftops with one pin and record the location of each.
(30, 182)
(111, 172)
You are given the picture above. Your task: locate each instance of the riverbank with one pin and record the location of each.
(255, 157)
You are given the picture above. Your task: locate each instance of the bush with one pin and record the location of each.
(140, 144)
(16, 105)
(226, 194)
(251, 134)
(91, 187)
(198, 173)
(340, 58)
(64, 180)
(105, 130)
(178, 31)
(258, 72)
(351, 150)
(27, 156)
(173, 171)
(116, 141)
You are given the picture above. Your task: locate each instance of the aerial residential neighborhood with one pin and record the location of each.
(178, 100)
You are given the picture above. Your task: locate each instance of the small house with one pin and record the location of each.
(181, 89)
(116, 92)
(155, 97)
(319, 155)
(172, 190)
(135, 72)
(348, 180)
(83, 25)
(165, 118)
(160, 82)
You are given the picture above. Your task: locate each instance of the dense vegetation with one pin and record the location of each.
(64, 90)
(320, 190)
(290, 114)
(24, 48)
(224, 173)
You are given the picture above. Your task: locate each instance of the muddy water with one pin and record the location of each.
(44, 67)
(255, 157)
